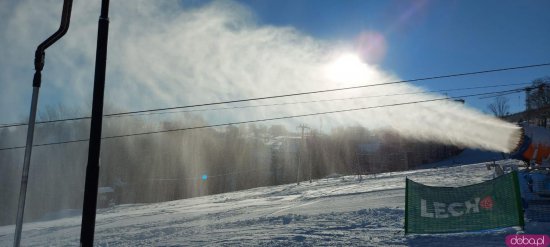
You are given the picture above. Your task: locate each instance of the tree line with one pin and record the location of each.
(177, 165)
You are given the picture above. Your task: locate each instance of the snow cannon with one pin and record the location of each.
(534, 145)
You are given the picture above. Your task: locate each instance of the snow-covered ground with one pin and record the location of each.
(338, 211)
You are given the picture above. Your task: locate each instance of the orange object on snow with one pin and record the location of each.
(534, 145)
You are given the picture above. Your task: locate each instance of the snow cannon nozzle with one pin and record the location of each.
(521, 140)
(523, 145)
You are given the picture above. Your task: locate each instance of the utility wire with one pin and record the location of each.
(154, 111)
(310, 92)
(329, 100)
(504, 93)
(341, 89)
(265, 119)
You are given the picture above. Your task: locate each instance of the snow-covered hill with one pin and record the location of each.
(334, 211)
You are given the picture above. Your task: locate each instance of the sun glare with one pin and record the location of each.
(347, 68)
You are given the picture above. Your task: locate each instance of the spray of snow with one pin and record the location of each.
(165, 54)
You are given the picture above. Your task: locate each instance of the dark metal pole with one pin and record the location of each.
(37, 81)
(92, 169)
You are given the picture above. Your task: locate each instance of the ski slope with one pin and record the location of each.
(333, 211)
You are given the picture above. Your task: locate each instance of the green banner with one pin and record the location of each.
(488, 205)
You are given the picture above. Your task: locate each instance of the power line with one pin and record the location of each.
(328, 100)
(265, 119)
(148, 112)
(340, 89)
(503, 94)
(305, 93)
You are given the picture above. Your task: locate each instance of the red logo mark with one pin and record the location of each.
(487, 203)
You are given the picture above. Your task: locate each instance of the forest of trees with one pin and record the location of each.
(537, 104)
(182, 164)
(537, 96)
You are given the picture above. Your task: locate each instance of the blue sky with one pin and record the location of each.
(185, 52)
(156, 60)
(425, 38)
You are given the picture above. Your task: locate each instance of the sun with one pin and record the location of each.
(347, 68)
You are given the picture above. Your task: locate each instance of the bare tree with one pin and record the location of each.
(500, 107)
(538, 95)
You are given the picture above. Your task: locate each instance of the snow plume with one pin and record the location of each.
(164, 53)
